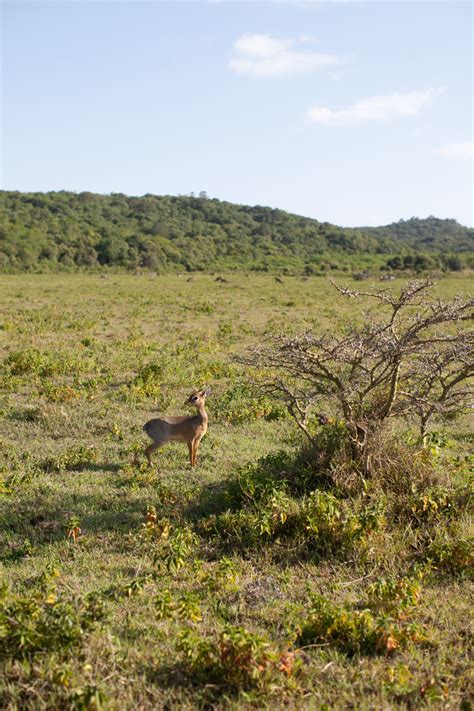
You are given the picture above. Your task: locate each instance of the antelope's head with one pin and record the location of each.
(197, 398)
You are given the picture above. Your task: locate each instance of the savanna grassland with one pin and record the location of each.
(251, 581)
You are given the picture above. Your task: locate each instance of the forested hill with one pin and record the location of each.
(65, 230)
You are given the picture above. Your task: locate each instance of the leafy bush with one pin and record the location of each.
(243, 403)
(45, 621)
(319, 522)
(238, 659)
(74, 458)
(222, 576)
(88, 697)
(355, 631)
(154, 529)
(149, 378)
(184, 607)
(431, 503)
(31, 361)
(25, 362)
(394, 594)
(178, 548)
(175, 544)
(258, 480)
(451, 551)
(59, 393)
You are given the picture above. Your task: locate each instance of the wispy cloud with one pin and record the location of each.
(262, 55)
(456, 151)
(375, 108)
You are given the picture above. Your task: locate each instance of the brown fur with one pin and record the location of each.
(190, 429)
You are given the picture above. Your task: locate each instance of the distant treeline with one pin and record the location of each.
(65, 230)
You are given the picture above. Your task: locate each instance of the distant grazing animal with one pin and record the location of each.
(189, 428)
(279, 280)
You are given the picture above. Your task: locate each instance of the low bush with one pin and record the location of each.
(171, 545)
(242, 402)
(72, 459)
(148, 381)
(59, 393)
(450, 551)
(319, 522)
(237, 660)
(364, 631)
(395, 594)
(32, 361)
(46, 620)
(222, 575)
(184, 607)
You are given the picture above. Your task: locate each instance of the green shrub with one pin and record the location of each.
(87, 698)
(451, 551)
(320, 523)
(31, 361)
(148, 382)
(243, 403)
(256, 481)
(272, 499)
(222, 576)
(394, 594)
(175, 545)
(136, 476)
(25, 362)
(127, 589)
(338, 525)
(183, 607)
(74, 458)
(59, 393)
(179, 548)
(154, 529)
(354, 631)
(431, 503)
(237, 660)
(45, 621)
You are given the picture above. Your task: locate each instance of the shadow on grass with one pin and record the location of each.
(213, 499)
(226, 514)
(42, 521)
(206, 692)
(94, 467)
(298, 471)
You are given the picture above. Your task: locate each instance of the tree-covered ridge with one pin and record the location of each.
(427, 235)
(164, 233)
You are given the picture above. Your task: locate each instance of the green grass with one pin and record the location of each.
(227, 586)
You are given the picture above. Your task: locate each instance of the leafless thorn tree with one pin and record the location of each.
(412, 357)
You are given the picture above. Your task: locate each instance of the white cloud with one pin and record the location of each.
(456, 151)
(262, 55)
(375, 108)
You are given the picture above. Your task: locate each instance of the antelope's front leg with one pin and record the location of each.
(195, 450)
(191, 453)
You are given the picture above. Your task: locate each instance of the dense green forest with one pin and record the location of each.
(66, 230)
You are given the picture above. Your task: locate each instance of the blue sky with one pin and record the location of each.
(356, 113)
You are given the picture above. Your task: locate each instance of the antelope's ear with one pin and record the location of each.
(205, 393)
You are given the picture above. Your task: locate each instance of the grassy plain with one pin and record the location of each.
(176, 608)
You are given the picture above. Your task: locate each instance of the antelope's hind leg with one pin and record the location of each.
(151, 448)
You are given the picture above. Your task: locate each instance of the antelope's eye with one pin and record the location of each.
(194, 398)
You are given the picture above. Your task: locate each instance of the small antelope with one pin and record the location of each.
(190, 429)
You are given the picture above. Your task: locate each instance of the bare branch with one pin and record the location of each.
(412, 357)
